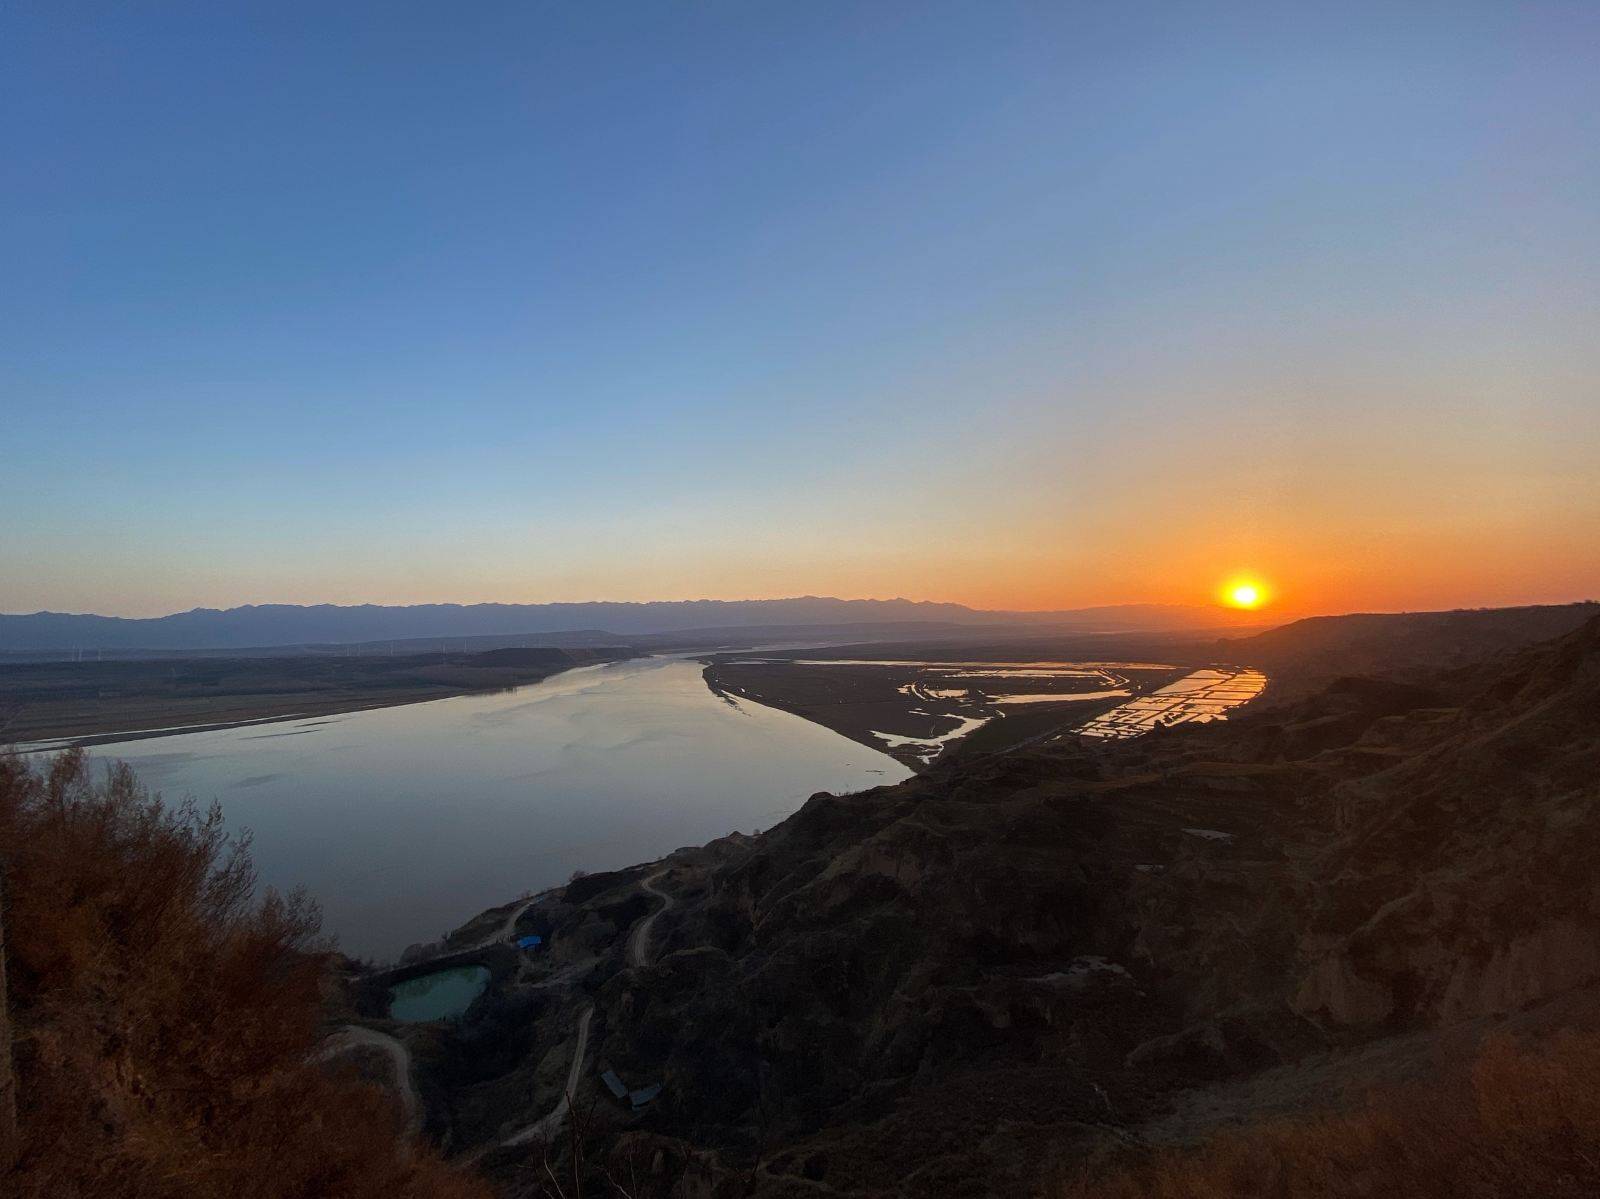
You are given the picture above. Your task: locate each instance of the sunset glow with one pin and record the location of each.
(955, 336)
(1140, 462)
(1244, 593)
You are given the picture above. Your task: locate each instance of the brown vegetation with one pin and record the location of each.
(164, 1017)
(1523, 1122)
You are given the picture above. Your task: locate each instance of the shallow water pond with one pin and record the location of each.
(442, 995)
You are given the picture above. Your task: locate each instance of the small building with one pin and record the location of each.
(619, 1090)
(530, 942)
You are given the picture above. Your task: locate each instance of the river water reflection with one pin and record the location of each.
(404, 822)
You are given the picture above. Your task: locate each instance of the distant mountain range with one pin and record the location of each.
(267, 625)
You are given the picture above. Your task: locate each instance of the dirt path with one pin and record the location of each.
(639, 943)
(354, 1036)
(505, 931)
(546, 1128)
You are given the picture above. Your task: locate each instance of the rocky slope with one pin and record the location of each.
(964, 983)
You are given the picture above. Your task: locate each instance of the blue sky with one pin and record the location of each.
(1025, 305)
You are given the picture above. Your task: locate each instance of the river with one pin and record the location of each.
(405, 822)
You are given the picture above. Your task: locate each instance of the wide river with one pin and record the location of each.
(405, 822)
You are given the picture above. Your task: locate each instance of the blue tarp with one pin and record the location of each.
(637, 1098)
(529, 942)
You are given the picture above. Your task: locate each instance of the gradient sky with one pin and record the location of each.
(1015, 305)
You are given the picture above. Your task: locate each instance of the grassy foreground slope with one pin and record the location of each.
(163, 1020)
(1524, 1120)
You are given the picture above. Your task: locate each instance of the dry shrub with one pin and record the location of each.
(164, 1016)
(1524, 1121)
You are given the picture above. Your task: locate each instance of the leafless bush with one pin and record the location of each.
(164, 1015)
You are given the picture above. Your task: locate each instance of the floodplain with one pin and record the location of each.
(921, 710)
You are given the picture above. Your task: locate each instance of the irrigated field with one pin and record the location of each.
(920, 710)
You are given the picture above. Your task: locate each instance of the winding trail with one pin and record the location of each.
(639, 943)
(354, 1036)
(506, 930)
(546, 1128)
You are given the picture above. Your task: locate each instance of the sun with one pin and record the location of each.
(1244, 593)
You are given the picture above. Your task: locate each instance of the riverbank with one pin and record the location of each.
(1018, 968)
(924, 708)
(405, 819)
(92, 703)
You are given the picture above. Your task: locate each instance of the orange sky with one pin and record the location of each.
(1043, 307)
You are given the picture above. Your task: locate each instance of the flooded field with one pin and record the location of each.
(919, 711)
(1196, 698)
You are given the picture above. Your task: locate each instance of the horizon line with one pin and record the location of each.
(1264, 612)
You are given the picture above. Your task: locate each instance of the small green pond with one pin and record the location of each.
(442, 995)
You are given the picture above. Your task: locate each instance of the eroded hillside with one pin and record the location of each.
(968, 982)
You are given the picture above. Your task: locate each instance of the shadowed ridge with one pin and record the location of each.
(975, 978)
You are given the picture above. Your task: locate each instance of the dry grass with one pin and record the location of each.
(1524, 1122)
(164, 1017)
